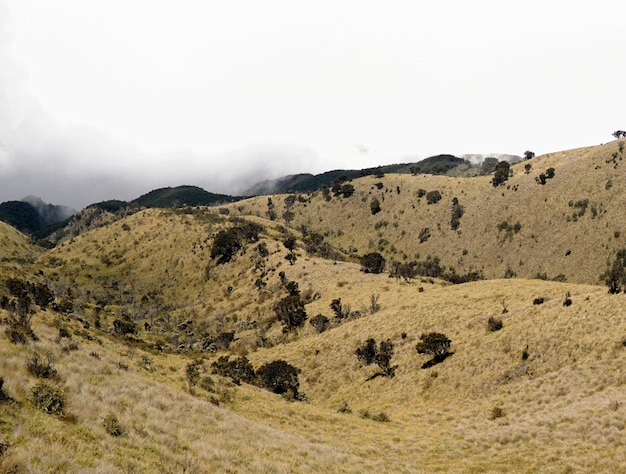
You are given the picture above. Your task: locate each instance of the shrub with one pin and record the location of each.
(457, 213)
(225, 245)
(320, 323)
(341, 311)
(368, 353)
(372, 263)
(279, 377)
(112, 425)
(122, 327)
(538, 301)
(501, 173)
(435, 344)
(424, 235)
(615, 276)
(41, 368)
(380, 417)
(433, 197)
(290, 312)
(494, 324)
(496, 412)
(48, 398)
(375, 206)
(192, 371)
(238, 370)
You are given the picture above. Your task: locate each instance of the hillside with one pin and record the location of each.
(567, 229)
(161, 325)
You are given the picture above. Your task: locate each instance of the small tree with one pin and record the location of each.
(615, 276)
(501, 173)
(372, 263)
(435, 344)
(341, 311)
(368, 354)
(290, 312)
(529, 155)
(279, 377)
(320, 323)
(238, 370)
(433, 197)
(375, 206)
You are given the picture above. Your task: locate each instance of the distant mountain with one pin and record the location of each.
(439, 164)
(32, 215)
(182, 196)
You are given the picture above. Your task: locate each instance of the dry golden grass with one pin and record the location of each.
(550, 241)
(484, 409)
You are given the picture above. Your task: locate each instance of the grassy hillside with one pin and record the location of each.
(141, 308)
(567, 229)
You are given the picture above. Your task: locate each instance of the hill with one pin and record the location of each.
(181, 196)
(569, 228)
(304, 183)
(206, 339)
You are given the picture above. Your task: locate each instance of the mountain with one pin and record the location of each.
(440, 164)
(182, 196)
(248, 337)
(32, 215)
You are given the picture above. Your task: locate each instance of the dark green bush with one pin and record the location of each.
(372, 263)
(279, 377)
(435, 344)
(238, 370)
(290, 312)
(48, 398)
(368, 353)
(433, 197)
(494, 324)
(320, 323)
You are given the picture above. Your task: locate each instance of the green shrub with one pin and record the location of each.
(435, 344)
(112, 425)
(290, 312)
(48, 398)
(320, 323)
(238, 370)
(372, 263)
(433, 197)
(368, 353)
(494, 324)
(279, 377)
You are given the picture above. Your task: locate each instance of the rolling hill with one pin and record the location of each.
(157, 318)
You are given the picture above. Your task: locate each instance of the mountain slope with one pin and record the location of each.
(569, 228)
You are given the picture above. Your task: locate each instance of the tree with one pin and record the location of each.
(615, 276)
(529, 155)
(368, 353)
(320, 323)
(290, 312)
(433, 197)
(279, 377)
(341, 311)
(372, 263)
(619, 134)
(501, 174)
(435, 344)
(225, 245)
(238, 370)
(375, 206)
(457, 213)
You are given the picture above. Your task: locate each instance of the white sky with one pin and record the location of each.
(109, 99)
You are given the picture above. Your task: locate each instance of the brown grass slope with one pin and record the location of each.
(16, 251)
(570, 227)
(486, 408)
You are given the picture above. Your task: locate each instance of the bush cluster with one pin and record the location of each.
(49, 398)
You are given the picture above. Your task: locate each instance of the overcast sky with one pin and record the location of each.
(103, 99)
